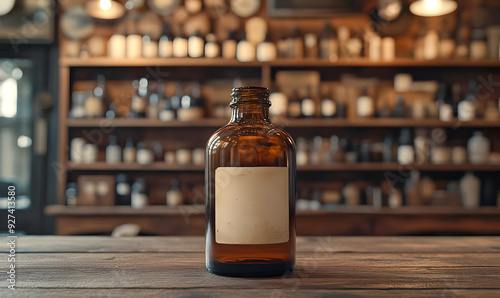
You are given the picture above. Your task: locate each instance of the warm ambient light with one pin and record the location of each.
(105, 4)
(105, 9)
(432, 8)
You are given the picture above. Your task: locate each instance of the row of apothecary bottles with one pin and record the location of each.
(452, 101)
(407, 148)
(469, 192)
(134, 153)
(190, 105)
(421, 147)
(187, 103)
(331, 44)
(125, 192)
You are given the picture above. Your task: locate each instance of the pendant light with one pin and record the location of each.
(432, 8)
(105, 9)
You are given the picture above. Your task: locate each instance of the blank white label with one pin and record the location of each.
(251, 205)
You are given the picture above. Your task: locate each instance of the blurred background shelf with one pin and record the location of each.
(221, 62)
(215, 123)
(358, 220)
(341, 81)
(374, 166)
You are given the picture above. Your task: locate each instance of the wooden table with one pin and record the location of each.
(174, 266)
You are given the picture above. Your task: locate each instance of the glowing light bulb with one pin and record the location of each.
(431, 4)
(105, 4)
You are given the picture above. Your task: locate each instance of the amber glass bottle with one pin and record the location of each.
(250, 192)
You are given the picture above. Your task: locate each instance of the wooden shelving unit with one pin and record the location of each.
(336, 167)
(189, 219)
(359, 220)
(216, 123)
(220, 62)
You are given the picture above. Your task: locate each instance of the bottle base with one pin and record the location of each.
(251, 269)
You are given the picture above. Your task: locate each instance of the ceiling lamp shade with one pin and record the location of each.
(432, 8)
(6, 6)
(105, 9)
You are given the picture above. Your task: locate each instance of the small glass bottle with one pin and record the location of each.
(478, 148)
(294, 106)
(212, 48)
(180, 46)
(462, 40)
(134, 46)
(245, 51)
(328, 45)
(149, 47)
(165, 45)
(467, 107)
(167, 114)
(139, 101)
(478, 47)
(266, 50)
(71, 194)
(111, 112)
(470, 190)
(196, 45)
(139, 196)
(328, 105)
(144, 155)
(431, 45)
(129, 152)
(297, 44)
(375, 46)
(122, 190)
(446, 43)
(93, 104)
(152, 109)
(307, 105)
(388, 49)
(113, 150)
(117, 46)
(192, 105)
(174, 194)
(406, 152)
(229, 46)
(250, 165)
(311, 46)
(365, 106)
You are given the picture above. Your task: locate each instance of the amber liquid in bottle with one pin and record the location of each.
(250, 192)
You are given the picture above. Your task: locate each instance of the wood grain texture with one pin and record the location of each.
(190, 220)
(56, 266)
(103, 244)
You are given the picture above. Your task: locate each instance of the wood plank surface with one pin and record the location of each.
(102, 244)
(58, 266)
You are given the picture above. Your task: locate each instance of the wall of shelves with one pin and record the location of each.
(189, 220)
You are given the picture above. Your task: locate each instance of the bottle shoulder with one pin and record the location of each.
(261, 133)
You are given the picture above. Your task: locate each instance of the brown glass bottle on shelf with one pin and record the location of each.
(250, 192)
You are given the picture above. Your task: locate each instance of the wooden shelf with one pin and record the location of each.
(392, 166)
(215, 123)
(158, 210)
(131, 122)
(155, 166)
(153, 210)
(220, 62)
(367, 166)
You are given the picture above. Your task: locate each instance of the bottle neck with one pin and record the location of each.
(250, 104)
(250, 112)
